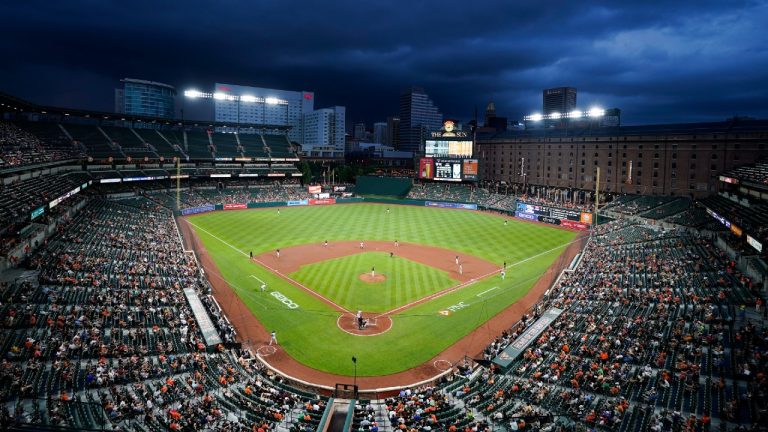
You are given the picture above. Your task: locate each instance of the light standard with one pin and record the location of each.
(354, 382)
(219, 96)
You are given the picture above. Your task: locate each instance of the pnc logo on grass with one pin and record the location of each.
(284, 300)
(444, 312)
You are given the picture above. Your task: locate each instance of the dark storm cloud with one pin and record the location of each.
(659, 61)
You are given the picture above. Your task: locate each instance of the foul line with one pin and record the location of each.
(471, 281)
(300, 285)
(273, 270)
(486, 291)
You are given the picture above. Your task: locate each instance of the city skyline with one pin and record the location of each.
(658, 62)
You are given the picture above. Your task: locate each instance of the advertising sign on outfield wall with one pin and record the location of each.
(322, 201)
(196, 210)
(450, 205)
(297, 203)
(235, 206)
(314, 189)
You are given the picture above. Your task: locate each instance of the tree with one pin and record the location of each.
(306, 172)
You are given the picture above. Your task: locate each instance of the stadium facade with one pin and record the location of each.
(145, 98)
(671, 159)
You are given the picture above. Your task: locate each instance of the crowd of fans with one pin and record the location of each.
(102, 333)
(19, 147)
(503, 198)
(655, 335)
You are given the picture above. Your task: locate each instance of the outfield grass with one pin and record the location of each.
(406, 281)
(309, 333)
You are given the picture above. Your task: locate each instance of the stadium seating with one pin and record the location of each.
(226, 145)
(101, 334)
(653, 332)
(25, 143)
(253, 145)
(278, 146)
(755, 173)
(129, 142)
(157, 140)
(97, 145)
(198, 144)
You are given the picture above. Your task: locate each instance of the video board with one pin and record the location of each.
(455, 170)
(448, 170)
(443, 148)
(568, 218)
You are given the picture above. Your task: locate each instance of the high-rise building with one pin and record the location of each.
(559, 100)
(393, 132)
(263, 107)
(359, 131)
(324, 132)
(418, 115)
(145, 98)
(380, 132)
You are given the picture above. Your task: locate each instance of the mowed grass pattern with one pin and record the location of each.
(310, 334)
(406, 281)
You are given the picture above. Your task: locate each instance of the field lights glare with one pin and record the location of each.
(248, 98)
(596, 112)
(192, 94)
(271, 101)
(554, 115)
(536, 117)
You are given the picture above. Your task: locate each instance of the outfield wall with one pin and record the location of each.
(390, 186)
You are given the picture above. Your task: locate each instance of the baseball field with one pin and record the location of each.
(423, 278)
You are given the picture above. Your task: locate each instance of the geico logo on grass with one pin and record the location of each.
(284, 300)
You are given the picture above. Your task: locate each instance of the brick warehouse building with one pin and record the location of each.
(669, 159)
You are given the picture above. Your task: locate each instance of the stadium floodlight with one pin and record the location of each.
(536, 117)
(555, 116)
(219, 96)
(272, 100)
(596, 112)
(248, 98)
(192, 94)
(574, 114)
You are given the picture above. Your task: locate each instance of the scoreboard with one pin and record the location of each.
(453, 170)
(568, 218)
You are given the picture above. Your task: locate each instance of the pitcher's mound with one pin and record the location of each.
(367, 278)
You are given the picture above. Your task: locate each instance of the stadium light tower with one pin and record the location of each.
(246, 98)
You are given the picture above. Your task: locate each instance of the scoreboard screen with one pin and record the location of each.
(455, 170)
(568, 218)
(444, 148)
(448, 170)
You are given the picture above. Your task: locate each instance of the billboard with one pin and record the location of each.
(567, 218)
(195, 210)
(754, 243)
(448, 170)
(37, 212)
(314, 189)
(448, 148)
(235, 206)
(325, 201)
(469, 169)
(426, 168)
(453, 205)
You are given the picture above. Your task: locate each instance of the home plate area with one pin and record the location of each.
(374, 325)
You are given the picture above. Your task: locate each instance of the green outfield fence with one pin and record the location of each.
(390, 186)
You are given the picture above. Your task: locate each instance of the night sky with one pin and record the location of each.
(659, 61)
